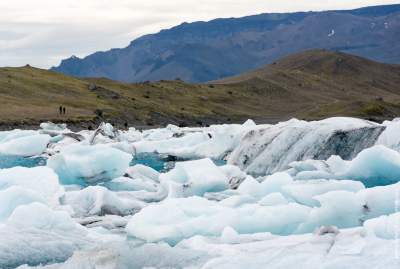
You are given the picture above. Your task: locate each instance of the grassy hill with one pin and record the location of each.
(318, 83)
(310, 85)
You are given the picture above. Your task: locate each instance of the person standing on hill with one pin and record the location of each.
(64, 110)
(60, 109)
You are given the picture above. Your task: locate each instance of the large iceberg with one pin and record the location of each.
(267, 149)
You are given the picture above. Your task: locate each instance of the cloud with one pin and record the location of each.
(42, 32)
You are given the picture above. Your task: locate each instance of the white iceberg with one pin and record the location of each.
(194, 178)
(40, 180)
(96, 200)
(80, 164)
(184, 218)
(34, 234)
(375, 166)
(25, 144)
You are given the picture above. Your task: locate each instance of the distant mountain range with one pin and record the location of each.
(204, 51)
(309, 85)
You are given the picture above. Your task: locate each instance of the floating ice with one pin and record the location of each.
(35, 234)
(375, 166)
(304, 192)
(389, 136)
(184, 218)
(332, 204)
(129, 184)
(192, 143)
(194, 178)
(385, 227)
(96, 200)
(23, 143)
(272, 199)
(270, 184)
(267, 149)
(79, 164)
(348, 209)
(53, 126)
(39, 216)
(40, 180)
(142, 171)
(13, 197)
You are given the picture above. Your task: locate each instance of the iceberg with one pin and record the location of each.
(213, 142)
(268, 149)
(81, 164)
(375, 166)
(186, 217)
(13, 197)
(99, 201)
(36, 235)
(24, 145)
(194, 178)
(40, 180)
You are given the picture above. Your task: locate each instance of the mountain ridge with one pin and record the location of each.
(205, 51)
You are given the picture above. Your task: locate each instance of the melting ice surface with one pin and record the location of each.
(322, 194)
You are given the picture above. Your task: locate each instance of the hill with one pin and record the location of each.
(204, 51)
(320, 83)
(310, 85)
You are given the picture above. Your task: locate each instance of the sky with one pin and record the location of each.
(43, 32)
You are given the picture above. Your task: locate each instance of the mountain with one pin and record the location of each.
(204, 51)
(309, 85)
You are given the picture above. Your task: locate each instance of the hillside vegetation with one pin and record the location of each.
(310, 85)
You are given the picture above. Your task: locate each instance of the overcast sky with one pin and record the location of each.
(42, 32)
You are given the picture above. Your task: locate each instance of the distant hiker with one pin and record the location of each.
(60, 109)
(64, 110)
(126, 125)
(209, 135)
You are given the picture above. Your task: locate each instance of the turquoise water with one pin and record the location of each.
(160, 162)
(156, 161)
(13, 161)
